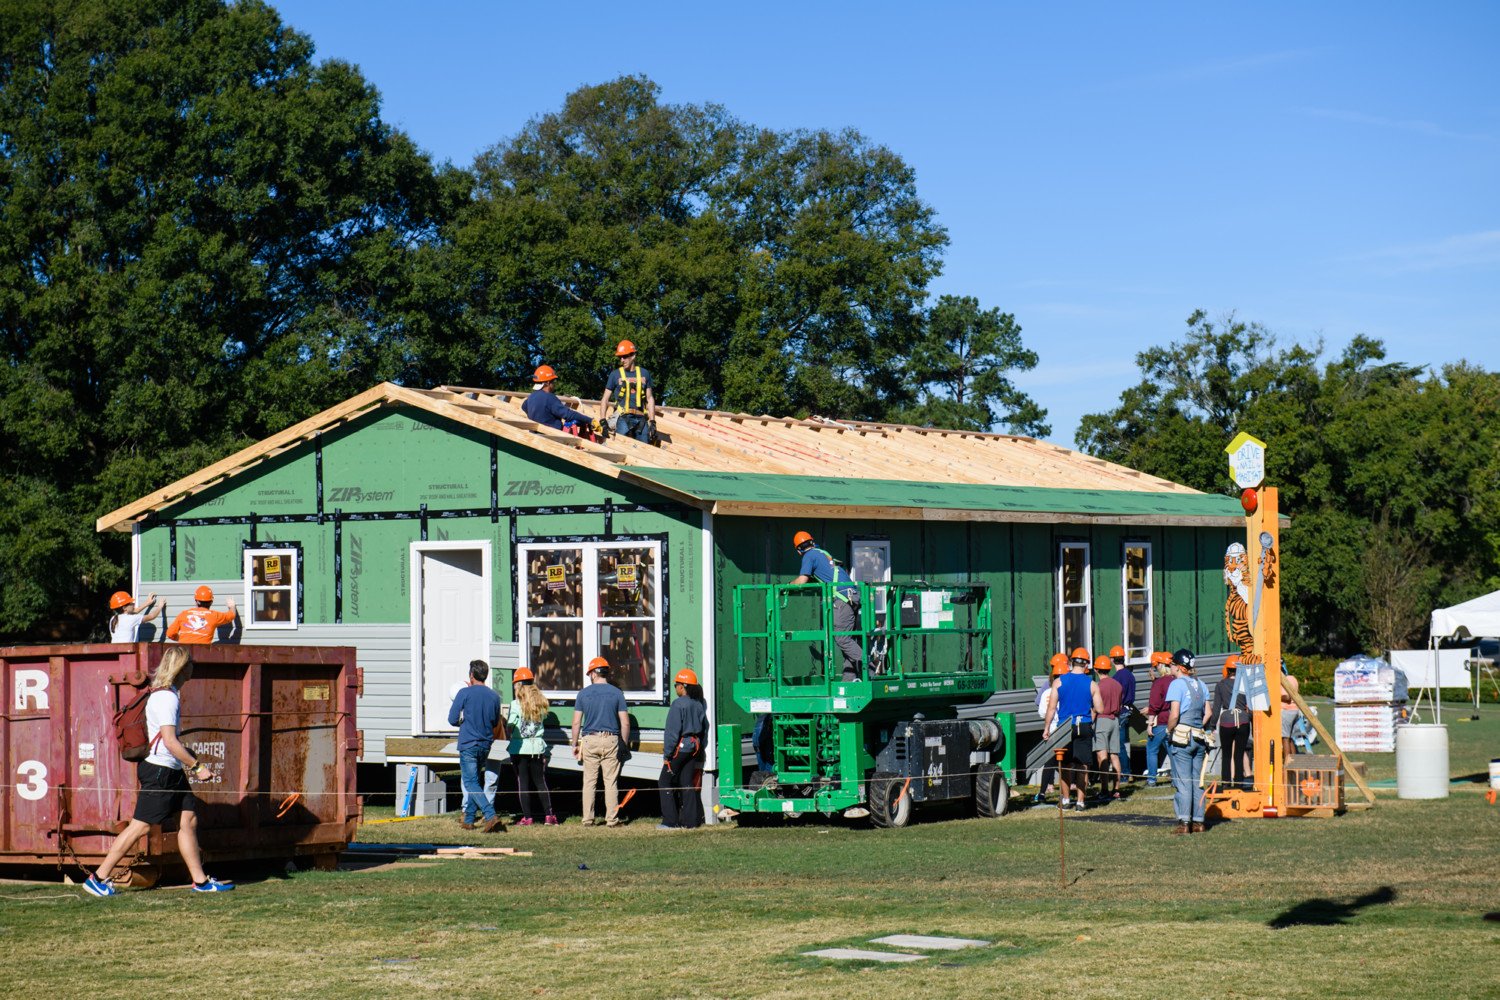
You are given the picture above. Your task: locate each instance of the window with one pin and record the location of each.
(586, 599)
(1074, 619)
(870, 562)
(270, 588)
(1136, 586)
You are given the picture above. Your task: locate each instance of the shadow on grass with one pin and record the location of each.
(1328, 912)
(1125, 819)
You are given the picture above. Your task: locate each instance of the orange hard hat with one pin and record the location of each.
(543, 373)
(1104, 664)
(1079, 654)
(597, 663)
(522, 674)
(625, 347)
(1116, 653)
(800, 539)
(1058, 663)
(1159, 658)
(119, 599)
(203, 593)
(1231, 662)
(686, 677)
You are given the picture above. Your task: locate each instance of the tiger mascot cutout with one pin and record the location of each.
(1237, 623)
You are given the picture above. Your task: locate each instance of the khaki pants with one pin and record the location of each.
(601, 752)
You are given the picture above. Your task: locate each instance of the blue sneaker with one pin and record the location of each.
(213, 885)
(95, 887)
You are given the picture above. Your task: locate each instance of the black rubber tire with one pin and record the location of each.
(888, 799)
(991, 793)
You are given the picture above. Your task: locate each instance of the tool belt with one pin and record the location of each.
(1184, 735)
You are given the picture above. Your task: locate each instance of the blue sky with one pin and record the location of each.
(1102, 169)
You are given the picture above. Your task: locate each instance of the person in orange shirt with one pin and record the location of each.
(197, 626)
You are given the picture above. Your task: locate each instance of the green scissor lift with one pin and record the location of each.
(886, 741)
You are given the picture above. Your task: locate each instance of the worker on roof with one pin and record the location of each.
(629, 389)
(544, 407)
(818, 564)
(198, 625)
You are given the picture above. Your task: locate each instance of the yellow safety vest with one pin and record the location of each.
(632, 398)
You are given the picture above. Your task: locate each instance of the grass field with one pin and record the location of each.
(1386, 903)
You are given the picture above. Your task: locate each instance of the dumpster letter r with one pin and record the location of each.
(31, 685)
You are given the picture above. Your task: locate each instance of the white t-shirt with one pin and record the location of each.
(162, 709)
(126, 627)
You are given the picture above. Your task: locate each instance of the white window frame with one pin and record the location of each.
(884, 546)
(1088, 597)
(589, 570)
(1125, 601)
(247, 617)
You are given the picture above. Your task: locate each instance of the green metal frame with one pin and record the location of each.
(824, 728)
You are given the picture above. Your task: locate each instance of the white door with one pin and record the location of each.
(455, 627)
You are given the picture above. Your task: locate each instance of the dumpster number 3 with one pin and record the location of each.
(36, 784)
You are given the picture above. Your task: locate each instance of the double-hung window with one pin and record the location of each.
(1135, 585)
(1074, 610)
(271, 588)
(582, 599)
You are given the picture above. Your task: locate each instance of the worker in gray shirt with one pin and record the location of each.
(601, 727)
(682, 756)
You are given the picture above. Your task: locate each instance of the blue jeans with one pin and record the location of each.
(471, 761)
(1124, 745)
(1187, 797)
(1155, 743)
(764, 755)
(634, 425)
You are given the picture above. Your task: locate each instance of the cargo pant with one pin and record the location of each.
(846, 619)
(600, 752)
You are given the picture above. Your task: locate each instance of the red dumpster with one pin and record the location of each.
(275, 724)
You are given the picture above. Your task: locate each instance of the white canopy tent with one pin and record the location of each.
(1471, 619)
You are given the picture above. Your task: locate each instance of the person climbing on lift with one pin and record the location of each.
(818, 564)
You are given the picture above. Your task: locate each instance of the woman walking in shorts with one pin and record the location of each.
(164, 774)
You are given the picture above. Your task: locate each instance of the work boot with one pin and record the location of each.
(496, 825)
(1179, 829)
(1199, 828)
(466, 825)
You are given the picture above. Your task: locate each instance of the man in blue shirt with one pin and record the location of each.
(818, 565)
(601, 726)
(1126, 678)
(476, 713)
(544, 407)
(1188, 697)
(629, 387)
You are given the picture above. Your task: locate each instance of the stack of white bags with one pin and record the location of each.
(1369, 698)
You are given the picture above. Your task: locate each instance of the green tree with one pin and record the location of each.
(755, 270)
(963, 364)
(204, 236)
(1387, 471)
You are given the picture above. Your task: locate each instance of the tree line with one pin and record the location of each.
(1390, 473)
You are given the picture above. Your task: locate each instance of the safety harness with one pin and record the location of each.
(842, 595)
(632, 391)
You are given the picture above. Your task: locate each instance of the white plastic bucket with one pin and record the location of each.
(1422, 762)
(1495, 774)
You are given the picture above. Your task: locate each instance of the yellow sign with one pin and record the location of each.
(625, 577)
(1247, 461)
(315, 692)
(271, 566)
(557, 577)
